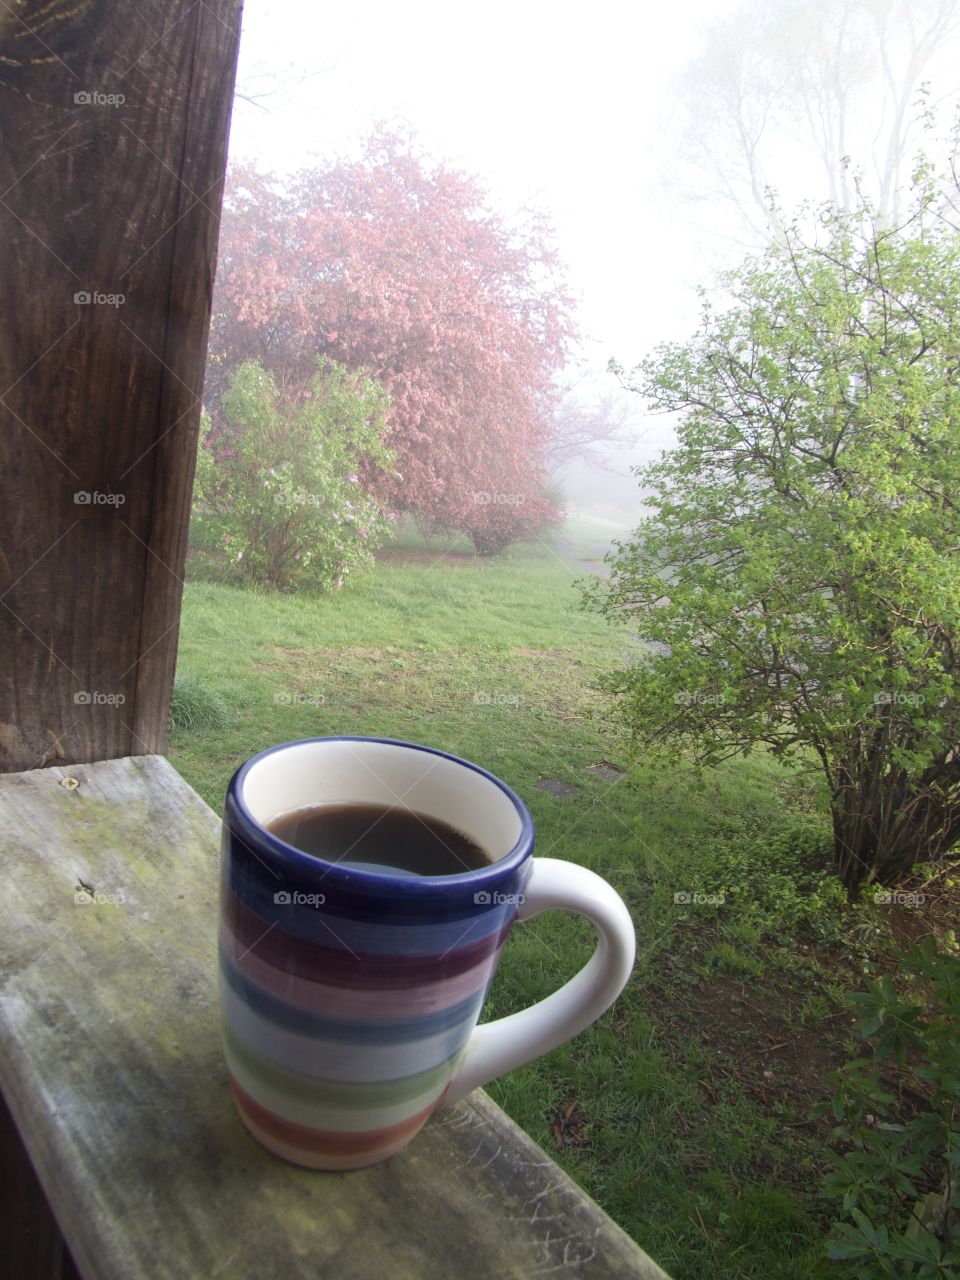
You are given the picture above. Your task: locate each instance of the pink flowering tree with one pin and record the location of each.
(396, 266)
(280, 470)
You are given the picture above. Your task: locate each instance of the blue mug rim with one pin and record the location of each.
(238, 818)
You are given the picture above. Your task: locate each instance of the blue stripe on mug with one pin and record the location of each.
(312, 918)
(339, 1060)
(350, 1030)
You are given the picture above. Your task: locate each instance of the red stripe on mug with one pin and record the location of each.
(353, 1001)
(323, 1141)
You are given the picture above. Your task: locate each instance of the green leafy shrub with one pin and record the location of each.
(899, 1175)
(283, 469)
(793, 580)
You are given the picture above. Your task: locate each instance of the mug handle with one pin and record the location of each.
(497, 1047)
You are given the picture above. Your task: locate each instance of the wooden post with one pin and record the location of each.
(116, 115)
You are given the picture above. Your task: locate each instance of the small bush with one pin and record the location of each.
(497, 520)
(195, 705)
(285, 472)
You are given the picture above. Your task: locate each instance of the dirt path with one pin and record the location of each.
(592, 560)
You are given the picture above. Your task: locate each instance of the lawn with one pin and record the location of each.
(685, 1110)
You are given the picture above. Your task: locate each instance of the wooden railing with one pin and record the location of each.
(112, 1068)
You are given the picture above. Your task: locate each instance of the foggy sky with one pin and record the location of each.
(548, 106)
(559, 108)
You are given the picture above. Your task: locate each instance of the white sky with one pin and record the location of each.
(547, 104)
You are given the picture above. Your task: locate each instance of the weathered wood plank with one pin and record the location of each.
(115, 119)
(111, 1065)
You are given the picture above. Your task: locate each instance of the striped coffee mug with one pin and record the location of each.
(350, 998)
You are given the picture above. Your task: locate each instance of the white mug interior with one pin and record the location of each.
(353, 771)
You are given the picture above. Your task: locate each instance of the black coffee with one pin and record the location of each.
(376, 837)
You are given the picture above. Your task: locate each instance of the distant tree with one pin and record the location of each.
(281, 470)
(778, 80)
(397, 266)
(589, 428)
(504, 516)
(798, 582)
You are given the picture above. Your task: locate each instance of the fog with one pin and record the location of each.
(574, 112)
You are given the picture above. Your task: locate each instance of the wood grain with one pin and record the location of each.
(111, 1065)
(111, 170)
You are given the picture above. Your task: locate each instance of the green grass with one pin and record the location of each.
(590, 535)
(673, 1126)
(412, 650)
